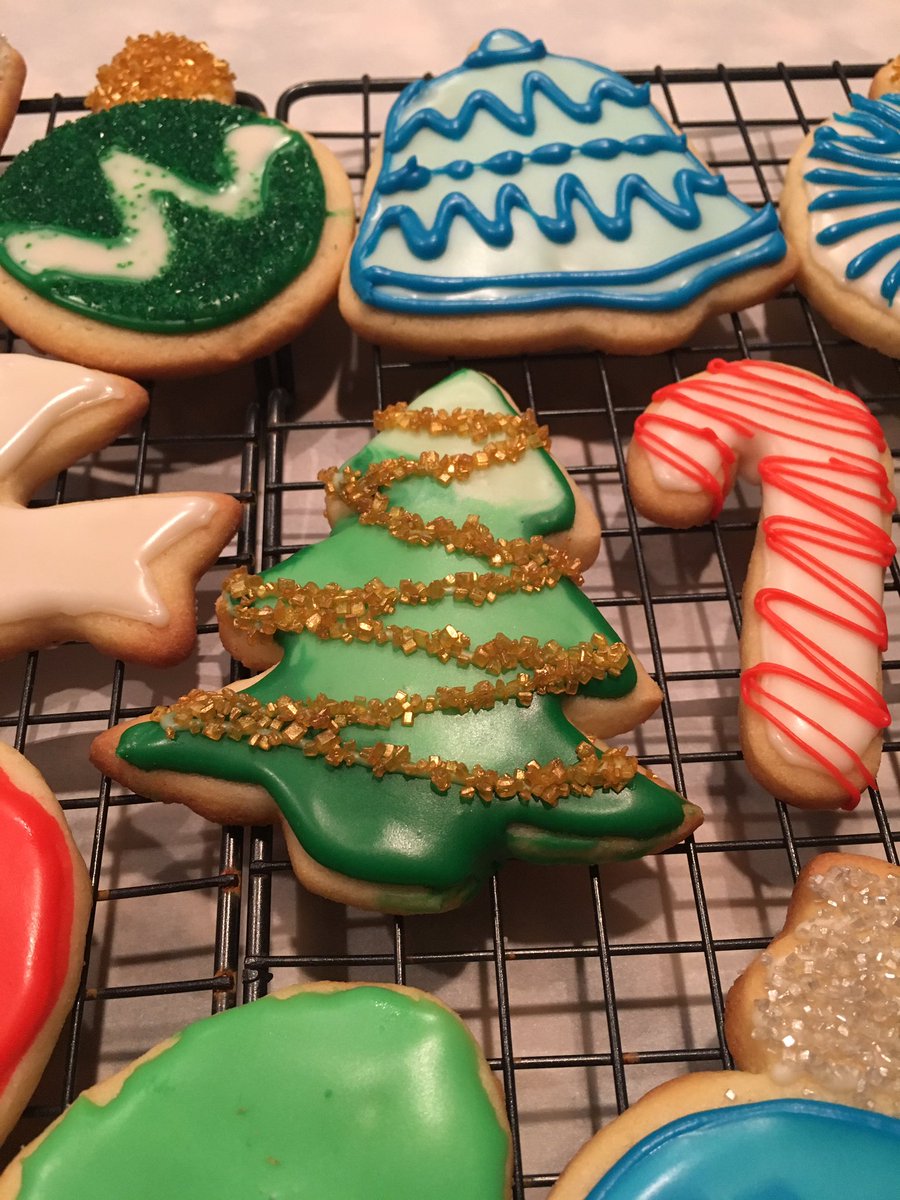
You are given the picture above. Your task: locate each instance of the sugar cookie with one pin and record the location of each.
(840, 215)
(170, 237)
(525, 201)
(404, 764)
(814, 1023)
(814, 630)
(118, 573)
(45, 899)
(334, 1090)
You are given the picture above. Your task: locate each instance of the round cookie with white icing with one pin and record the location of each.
(345, 1092)
(170, 237)
(526, 201)
(813, 1025)
(117, 573)
(45, 899)
(436, 668)
(814, 628)
(839, 210)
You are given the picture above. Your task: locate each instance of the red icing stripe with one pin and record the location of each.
(37, 906)
(756, 404)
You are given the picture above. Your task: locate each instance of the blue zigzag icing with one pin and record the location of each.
(492, 170)
(875, 180)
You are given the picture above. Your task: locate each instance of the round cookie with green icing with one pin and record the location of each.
(170, 237)
(434, 668)
(333, 1091)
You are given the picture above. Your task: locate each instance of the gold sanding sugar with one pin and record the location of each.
(162, 66)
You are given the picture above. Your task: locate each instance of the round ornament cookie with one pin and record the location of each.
(433, 669)
(117, 573)
(335, 1091)
(45, 899)
(814, 630)
(526, 201)
(839, 210)
(814, 1025)
(170, 237)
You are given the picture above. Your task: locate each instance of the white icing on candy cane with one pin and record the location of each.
(143, 249)
(91, 557)
(817, 452)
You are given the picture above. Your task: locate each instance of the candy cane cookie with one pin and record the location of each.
(814, 1026)
(45, 898)
(812, 712)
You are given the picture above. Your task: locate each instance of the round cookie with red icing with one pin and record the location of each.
(118, 573)
(345, 1092)
(437, 678)
(170, 237)
(45, 899)
(813, 1025)
(812, 712)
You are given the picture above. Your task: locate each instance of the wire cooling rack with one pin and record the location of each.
(584, 987)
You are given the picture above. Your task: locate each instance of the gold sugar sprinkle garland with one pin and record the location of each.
(162, 66)
(314, 728)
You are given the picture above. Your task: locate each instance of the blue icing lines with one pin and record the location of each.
(524, 180)
(866, 177)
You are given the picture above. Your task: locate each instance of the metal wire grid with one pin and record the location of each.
(275, 465)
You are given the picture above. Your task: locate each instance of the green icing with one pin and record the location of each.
(351, 1095)
(399, 831)
(219, 267)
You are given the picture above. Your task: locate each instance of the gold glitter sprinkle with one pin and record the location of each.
(314, 727)
(162, 66)
(831, 1012)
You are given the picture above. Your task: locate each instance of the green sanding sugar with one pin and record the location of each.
(219, 267)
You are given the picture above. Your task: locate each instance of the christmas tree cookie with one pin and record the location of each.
(334, 1091)
(45, 898)
(525, 201)
(434, 674)
(814, 1026)
(170, 237)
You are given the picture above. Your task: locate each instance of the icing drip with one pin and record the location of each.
(167, 216)
(378, 824)
(353, 1094)
(789, 1149)
(37, 905)
(854, 204)
(816, 451)
(831, 1010)
(608, 208)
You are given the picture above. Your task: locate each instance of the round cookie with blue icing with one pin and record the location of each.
(170, 237)
(526, 201)
(841, 214)
(334, 1091)
(718, 1136)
